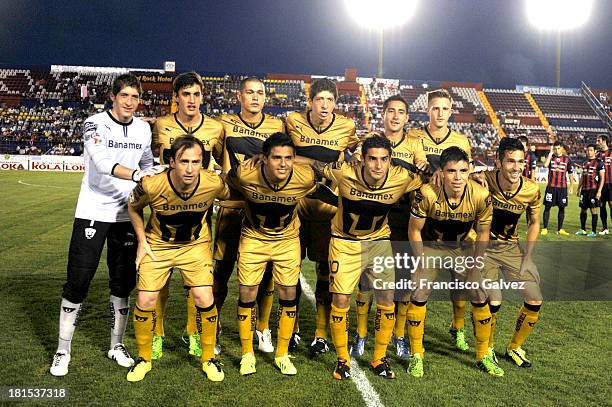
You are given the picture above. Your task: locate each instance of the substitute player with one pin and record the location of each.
(590, 189)
(188, 91)
(512, 195)
(443, 217)
(605, 155)
(270, 234)
(531, 160)
(436, 136)
(407, 152)
(116, 145)
(320, 134)
(243, 137)
(559, 166)
(360, 233)
(177, 237)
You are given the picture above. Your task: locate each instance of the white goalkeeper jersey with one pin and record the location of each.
(109, 142)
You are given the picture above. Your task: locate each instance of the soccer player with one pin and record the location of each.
(590, 189)
(512, 195)
(531, 160)
(436, 137)
(117, 144)
(407, 153)
(559, 165)
(177, 237)
(360, 232)
(320, 134)
(444, 216)
(605, 155)
(243, 136)
(188, 91)
(270, 234)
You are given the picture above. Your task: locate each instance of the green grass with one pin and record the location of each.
(570, 346)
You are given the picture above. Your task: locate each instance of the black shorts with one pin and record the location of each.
(555, 197)
(606, 194)
(86, 244)
(588, 199)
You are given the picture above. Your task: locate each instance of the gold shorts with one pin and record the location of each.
(507, 258)
(227, 233)
(350, 259)
(254, 255)
(314, 239)
(193, 261)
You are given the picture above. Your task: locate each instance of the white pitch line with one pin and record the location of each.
(42, 186)
(369, 395)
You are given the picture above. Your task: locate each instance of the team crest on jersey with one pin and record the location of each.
(90, 233)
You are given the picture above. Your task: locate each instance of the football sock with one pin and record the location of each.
(401, 308)
(298, 295)
(160, 309)
(69, 315)
(384, 321)
(594, 222)
(494, 309)
(286, 319)
(481, 321)
(459, 314)
(527, 317)
(560, 218)
(583, 218)
(364, 302)
(416, 325)
(246, 323)
(339, 331)
(265, 297)
(323, 312)
(546, 216)
(604, 215)
(144, 325)
(191, 314)
(222, 272)
(206, 324)
(120, 310)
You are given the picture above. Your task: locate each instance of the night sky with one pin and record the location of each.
(487, 41)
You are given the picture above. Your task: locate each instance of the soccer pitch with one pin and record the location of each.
(570, 346)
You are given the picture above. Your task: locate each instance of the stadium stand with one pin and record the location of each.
(509, 101)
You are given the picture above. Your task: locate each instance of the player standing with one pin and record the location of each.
(590, 190)
(559, 166)
(116, 145)
(531, 160)
(605, 155)
(320, 134)
(243, 137)
(188, 91)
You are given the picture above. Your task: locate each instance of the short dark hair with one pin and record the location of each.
(605, 138)
(187, 79)
(323, 84)
(558, 143)
(248, 79)
(592, 145)
(438, 93)
(509, 144)
(454, 154)
(523, 139)
(125, 80)
(277, 139)
(375, 142)
(184, 142)
(395, 98)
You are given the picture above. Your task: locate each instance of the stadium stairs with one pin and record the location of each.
(364, 101)
(491, 113)
(541, 116)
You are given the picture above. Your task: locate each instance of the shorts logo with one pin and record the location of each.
(242, 317)
(414, 323)
(90, 233)
(336, 319)
(484, 321)
(548, 197)
(564, 200)
(138, 318)
(290, 314)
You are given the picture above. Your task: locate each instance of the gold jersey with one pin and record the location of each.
(177, 219)
(271, 209)
(445, 222)
(168, 128)
(508, 207)
(242, 140)
(433, 147)
(363, 209)
(326, 145)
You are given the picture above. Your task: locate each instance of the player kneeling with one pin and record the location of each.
(177, 236)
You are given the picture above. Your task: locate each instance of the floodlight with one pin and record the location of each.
(381, 14)
(558, 14)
